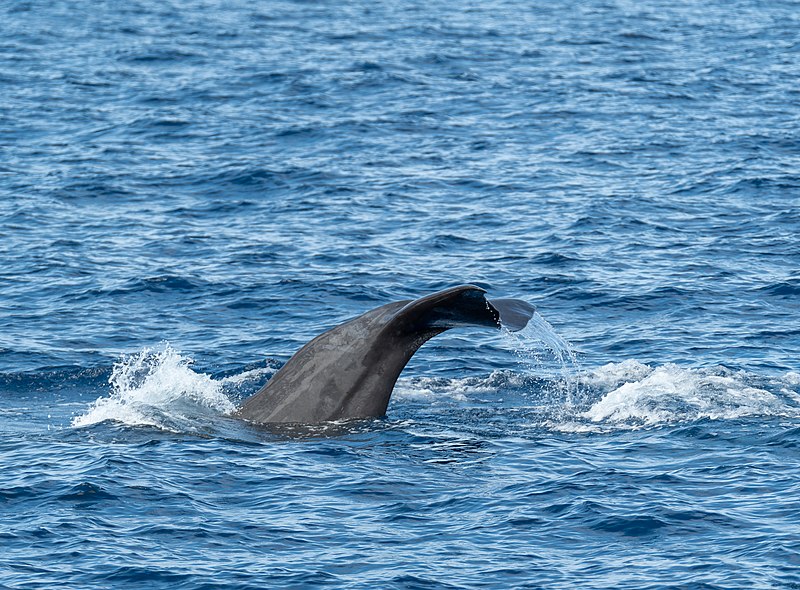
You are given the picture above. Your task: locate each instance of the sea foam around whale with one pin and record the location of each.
(159, 387)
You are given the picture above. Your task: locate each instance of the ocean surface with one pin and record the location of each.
(189, 191)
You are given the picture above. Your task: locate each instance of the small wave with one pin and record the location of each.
(157, 55)
(554, 259)
(787, 289)
(163, 284)
(87, 492)
(159, 388)
(160, 284)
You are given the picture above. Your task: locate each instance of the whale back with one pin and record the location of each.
(350, 371)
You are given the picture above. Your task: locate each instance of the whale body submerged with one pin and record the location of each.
(349, 372)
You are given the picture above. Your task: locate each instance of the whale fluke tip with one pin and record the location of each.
(513, 314)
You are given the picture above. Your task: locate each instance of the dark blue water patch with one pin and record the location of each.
(784, 289)
(159, 284)
(632, 526)
(785, 439)
(17, 493)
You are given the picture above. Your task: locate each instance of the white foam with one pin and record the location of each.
(613, 375)
(157, 388)
(453, 389)
(670, 393)
(792, 378)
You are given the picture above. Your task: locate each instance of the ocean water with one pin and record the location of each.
(189, 191)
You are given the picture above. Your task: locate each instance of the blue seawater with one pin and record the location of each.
(191, 190)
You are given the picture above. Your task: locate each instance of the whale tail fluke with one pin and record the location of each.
(514, 314)
(461, 306)
(350, 370)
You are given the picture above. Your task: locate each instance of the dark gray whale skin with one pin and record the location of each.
(349, 372)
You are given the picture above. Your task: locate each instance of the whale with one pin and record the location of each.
(349, 372)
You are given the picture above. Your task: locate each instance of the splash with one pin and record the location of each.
(545, 353)
(639, 395)
(540, 331)
(792, 378)
(544, 387)
(159, 388)
(628, 395)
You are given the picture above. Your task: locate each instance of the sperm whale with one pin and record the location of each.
(349, 372)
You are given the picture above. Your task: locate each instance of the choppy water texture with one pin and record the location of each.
(220, 181)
